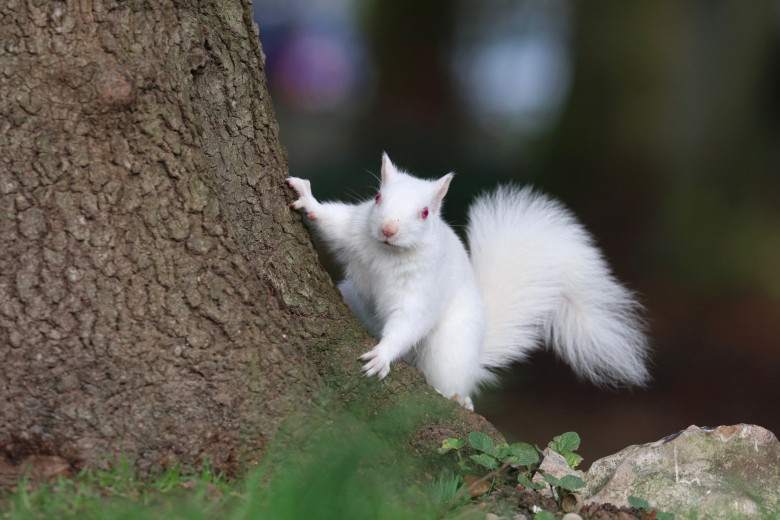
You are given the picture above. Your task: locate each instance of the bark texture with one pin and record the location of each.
(157, 296)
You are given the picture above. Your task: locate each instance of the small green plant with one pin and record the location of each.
(518, 460)
(562, 486)
(520, 457)
(455, 445)
(565, 444)
(641, 503)
(449, 487)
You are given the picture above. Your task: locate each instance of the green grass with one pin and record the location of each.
(118, 494)
(332, 484)
(449, 488)
(344, 467)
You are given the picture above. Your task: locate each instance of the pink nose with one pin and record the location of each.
(389, 229)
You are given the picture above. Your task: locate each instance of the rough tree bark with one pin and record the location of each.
(157, 296)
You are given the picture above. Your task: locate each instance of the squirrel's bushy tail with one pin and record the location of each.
(544, 281)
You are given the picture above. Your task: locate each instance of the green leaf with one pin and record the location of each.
(463, 467)
(572, 458)
(451, 444)
(523, 479)
(522, 455)
(501, 452)
(567, 482)
(553, 481)
(545, 515)
(638, 502)
(572, 482)
(480, 441)
(488, 461)
(664, 516)
(519, 448)
(524, 459)
(565, 442)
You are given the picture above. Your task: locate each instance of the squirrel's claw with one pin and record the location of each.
(301, 186)
(377, 364)
(306, 200)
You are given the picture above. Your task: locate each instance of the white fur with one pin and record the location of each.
(550, 284)
(536, 277)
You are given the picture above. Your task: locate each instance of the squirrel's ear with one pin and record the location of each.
(388, 168)
(440, 189)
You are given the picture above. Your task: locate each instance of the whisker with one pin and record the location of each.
(354, 196)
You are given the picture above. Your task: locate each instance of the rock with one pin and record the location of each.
(555, 464)
(724, 472)
(571, 516)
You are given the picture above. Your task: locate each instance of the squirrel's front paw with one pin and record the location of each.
(305, 200)
(377, 364)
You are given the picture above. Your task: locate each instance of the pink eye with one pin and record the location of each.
(424, 213)
(378, 197)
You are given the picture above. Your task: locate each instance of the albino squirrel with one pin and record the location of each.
(533, 276)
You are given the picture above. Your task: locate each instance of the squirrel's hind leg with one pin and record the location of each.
(465, 402)
(450, 358)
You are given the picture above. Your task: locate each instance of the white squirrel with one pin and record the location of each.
(533, 276)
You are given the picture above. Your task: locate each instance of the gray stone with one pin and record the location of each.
(555, 464)
(724, 472)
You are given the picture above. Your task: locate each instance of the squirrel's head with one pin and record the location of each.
(406, 209)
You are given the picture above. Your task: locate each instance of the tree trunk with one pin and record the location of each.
(158, 299)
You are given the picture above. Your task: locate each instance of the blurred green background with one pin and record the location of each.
(657, 122)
